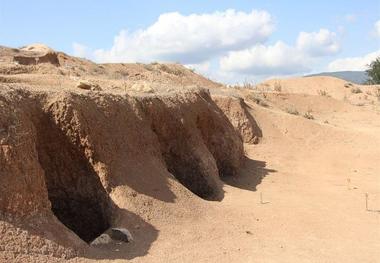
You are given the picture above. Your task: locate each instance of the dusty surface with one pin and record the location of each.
(165, 160)
(312, 178)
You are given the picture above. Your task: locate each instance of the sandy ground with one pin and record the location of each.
(301, 195)
(299, 198)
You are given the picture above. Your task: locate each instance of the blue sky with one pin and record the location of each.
(338, 35)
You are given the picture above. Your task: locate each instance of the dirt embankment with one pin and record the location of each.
(237, 112)
(149, 144)
(65, 155)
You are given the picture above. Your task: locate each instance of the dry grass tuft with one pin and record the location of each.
(356, 90)
(348, 85)
(308, 115)
(292, 111)
(277, 87)
(149, 67)
(248, 85)
(377, 94)
(323, 93)
(256, 98)
(169, 70)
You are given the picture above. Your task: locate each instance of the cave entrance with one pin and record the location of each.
(84, 217)
(189, 175)
(77, 196)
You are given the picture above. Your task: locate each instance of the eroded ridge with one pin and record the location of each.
(64, 153)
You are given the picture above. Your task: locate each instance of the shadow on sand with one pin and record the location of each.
(144, 234)
(251, 175)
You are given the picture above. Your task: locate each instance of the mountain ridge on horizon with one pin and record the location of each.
(357, 77)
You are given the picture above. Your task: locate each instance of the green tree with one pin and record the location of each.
(374, 72)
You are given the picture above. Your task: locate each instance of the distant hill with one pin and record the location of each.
(358, 77)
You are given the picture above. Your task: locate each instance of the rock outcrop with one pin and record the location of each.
(35, 54)
(50, 57)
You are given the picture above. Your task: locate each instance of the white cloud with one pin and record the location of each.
(201, 68)
(353, 63)
(235, 39)
(278, 59)
(80, 50)
(190, 39)
(321, 43)
(377, 29)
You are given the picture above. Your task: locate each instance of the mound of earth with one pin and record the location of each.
(191, 170)
(325, 86)
(237, 112)
(75, 162)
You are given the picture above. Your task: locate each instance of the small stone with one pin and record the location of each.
(84, 85)
(103, 239)
(121, 234)
(255, 140)
(142, 87)
(147, 88)
(96, 87)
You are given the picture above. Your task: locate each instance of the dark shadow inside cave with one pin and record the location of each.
(189, 173)
(77, 196)
(180, 154)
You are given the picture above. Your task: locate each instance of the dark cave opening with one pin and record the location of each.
(84, 217)
(190, 175)
(78, 199)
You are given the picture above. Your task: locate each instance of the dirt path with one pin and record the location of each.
(299, 198)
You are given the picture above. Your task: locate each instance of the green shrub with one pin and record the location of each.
(374, 72)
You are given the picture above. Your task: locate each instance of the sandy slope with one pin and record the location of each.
(312, 177)
(300, 196)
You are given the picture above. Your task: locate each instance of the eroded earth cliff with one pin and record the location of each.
(75, 162)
